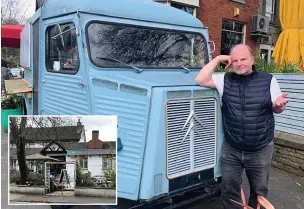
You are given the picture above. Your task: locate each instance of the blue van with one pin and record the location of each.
(137, 59)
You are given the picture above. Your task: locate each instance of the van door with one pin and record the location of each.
(64, 88)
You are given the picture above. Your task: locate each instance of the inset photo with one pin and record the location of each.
(62, 160)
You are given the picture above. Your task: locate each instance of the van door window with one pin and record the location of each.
(61, 48)
(144, 47)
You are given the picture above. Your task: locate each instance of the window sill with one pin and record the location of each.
(273, 24)
(239, 1)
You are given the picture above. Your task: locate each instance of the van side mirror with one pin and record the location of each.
(119, 144)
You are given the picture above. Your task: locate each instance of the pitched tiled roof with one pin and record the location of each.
(108, 145)
(84, 145)
(28, 151)
(91, 152)
(64, 133)
(75, 146)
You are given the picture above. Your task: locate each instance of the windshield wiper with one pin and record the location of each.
(187, 70)
(138, 70)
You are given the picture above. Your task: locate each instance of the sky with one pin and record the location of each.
(107, 126)
(30, 4)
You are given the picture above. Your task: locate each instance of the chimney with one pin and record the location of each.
(79, 127)
(78, 122)
(95, 143)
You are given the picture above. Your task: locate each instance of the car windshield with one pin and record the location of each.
(144, 47)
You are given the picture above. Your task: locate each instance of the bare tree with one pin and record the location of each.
(13, 12)
(17, 126)
(43, 127)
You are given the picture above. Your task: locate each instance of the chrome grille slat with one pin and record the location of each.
(195, 153)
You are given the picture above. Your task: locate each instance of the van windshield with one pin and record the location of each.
(144, 47)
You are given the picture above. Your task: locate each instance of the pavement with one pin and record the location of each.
(59, 199)
(286, 191)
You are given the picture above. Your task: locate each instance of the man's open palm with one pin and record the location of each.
(281, 101)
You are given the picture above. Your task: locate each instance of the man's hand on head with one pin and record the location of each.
(279, 104)
(225, 59)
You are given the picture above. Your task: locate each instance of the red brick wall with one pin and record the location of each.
(212, 12)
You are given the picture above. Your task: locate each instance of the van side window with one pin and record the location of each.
(61, 49)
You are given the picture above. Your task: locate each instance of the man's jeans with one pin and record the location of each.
(256, 165)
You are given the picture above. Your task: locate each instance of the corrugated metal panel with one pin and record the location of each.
(178, 147)
(205, 149)
(132, 110)
(191, 136)
(62, 95)
(133, 113)
(28, 75)
(292, 119)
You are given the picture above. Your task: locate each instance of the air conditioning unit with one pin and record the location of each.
(260, 24)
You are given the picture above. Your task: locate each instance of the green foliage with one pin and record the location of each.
(221, 69)
(193, 61)
(110, 176)
(11, 56)
(14, 176)
(83, 180)
(12, 101)
(289, 67)
(263, 66)
(35, 179)
(78, 175)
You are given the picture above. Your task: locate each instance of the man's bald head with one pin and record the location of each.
(241, 47)
(241, 59)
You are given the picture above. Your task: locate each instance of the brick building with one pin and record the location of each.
(229, 22)
(225, 28)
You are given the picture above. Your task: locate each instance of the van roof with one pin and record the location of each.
(145, 10)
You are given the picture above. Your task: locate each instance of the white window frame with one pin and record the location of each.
(14, 164)
(105, 162)
(85, 159)
(81, 161)
(269, 48)
(270, 14)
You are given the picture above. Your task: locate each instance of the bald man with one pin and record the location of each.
(249, 99)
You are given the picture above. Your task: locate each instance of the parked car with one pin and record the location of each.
(16, 72)
(99, 179)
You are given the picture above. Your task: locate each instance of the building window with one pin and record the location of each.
(13, 164)
(83, 162)
(269, 10)
(61, 48)
(266, 52)
(30, 165)
(107, 163)
(189, 9)
(232, 34)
